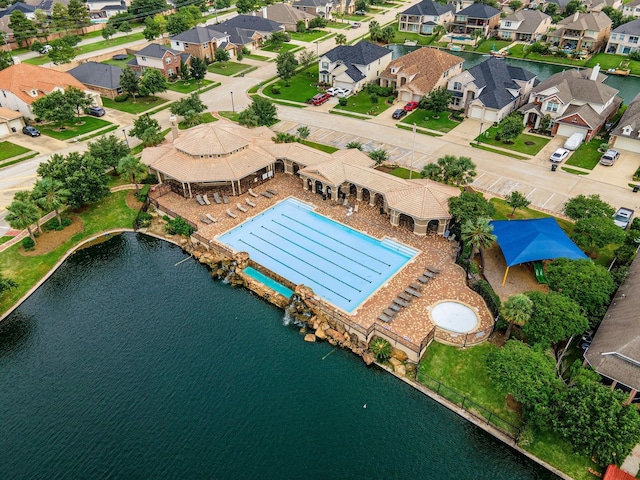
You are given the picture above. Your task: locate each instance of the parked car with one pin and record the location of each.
(574, 141)
(355, 24)
(45, 49)
(559, 155)
(622, 218)
(344, 92)
(333, 91)
(609, 157)
(31, 131)
(399, 113)
(361, 12)
(411, 106)
(96, 111)
(320, 98)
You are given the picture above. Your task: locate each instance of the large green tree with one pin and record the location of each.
(478, 233)
(79, 100)
(516, 200)
(246, 6)
(22, 28)
(153, 81)
(61, 51)
(147, 8)
(60, 17)
(178, 23)
(468, 207)
(450, 169)
(516, 310)
(147, 129)
(152, 29)
(78, 13)
(583, 206)
(511, 127)
(130, 167)
(110, 149)
(51, 194)
(197, 69)
(260, 112)
(588, 284)
(596, 232)
(6, 60)
(22, 213)
(54, 107)
(130, 82)
(190, 108)
(438, 100)
(286, 66)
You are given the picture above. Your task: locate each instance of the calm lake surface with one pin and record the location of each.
(124, 365)
(628, 86)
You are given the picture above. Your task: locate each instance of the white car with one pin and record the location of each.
(559, 155)
(333, 91)
(344, 92)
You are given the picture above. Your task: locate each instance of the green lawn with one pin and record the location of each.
(340, 25)
(118, 63)
(111, 212)
(233, 116)
(8, 150)
(308, 36)
(402, 172)
(586, 156)
(608, 60)
(285, 47)
(486, 46)
(424, 118)
(206, 117)
(400, 37)
(4, 239)
(554, 59)
(517, 51)
(527, 144)
(503, 212)
(319, 146)
(227, 68)
(260, 58)
(301, 87)
(573, 171)
(129, 106)
(361, 103)
(188, 86)
(89, 124)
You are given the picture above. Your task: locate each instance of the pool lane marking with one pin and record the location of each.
(337, 241)
(320, 256)
(293, 269)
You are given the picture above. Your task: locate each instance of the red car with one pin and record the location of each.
(411, 106)
(320, 98)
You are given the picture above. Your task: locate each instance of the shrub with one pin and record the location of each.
(343, 102)
(178, 226)
(53, 224)
(150, 179)
(28, 244)
(484, 289)
(625, 254)
(381, 348)
(143, 220)
(636, 176)
(561, 54)
(275, 89)
(121, 98)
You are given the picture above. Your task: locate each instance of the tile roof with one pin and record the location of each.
(97, 74)
(629, 28)
(422, 80)
(575, 84)
(209, 140)
(23, 77)
(479, 10)
(198, 35)
(7, 114)
(630, 118)
(495, 76)
(428, 8)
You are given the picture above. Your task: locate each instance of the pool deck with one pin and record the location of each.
(413, 323)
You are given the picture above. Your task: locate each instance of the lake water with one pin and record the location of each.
(126, 365)
(628, 86)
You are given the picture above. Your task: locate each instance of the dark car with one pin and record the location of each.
(31, 131)
(320, 98)
(96, 111)
(399, 113)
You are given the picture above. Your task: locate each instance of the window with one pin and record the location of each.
(633, 39)
(614, 36)
(177, 44)
(457, 86)
(621, 37)
(507, 24)
(455, 102)
(626, 130)
(144, 59)
(170, 71)
(325, 65)
(168, 60)
(552, 107)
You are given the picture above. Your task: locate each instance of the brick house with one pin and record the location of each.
(476, 17)
(160, 58)
(202, 42)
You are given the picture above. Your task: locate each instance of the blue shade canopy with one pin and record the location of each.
(524, 241)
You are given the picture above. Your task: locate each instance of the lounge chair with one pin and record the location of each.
(405, 296)
(394, 307)
(204, 220)
(384, 318)
(413, 292)
(200, 200)
(423, 279)
(206, 200)
(415, 286)
(272, 191)
(225, 199)
(241, 208)
(216, 198)
(252, 193)
(452, 237)
(266, 194)
(231, 214)
(212, 218)
(355, 208)
(250, 203)
(400, 302)
(389, 313)
(433, 270)
(428, 274)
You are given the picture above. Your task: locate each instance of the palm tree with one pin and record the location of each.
(516, 310)
(438, 31)
(27, 197)
(462, 171)
(133, 169)
(432, 171)
(341, 39)
(50, 194)
(478, 234)
(22, 214)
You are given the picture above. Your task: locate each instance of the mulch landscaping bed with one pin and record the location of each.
(49, 241)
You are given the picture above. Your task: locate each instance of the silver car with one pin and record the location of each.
(609, 157)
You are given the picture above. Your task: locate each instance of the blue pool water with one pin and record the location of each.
(269, 282)
(340, 264)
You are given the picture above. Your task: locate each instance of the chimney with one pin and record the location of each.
(174, 127)
(594, 73)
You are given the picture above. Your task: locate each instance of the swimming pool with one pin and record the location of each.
(340, 264)
(269, 282)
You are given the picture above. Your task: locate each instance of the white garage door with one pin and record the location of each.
(628, 144)
(476, 112)
(405, 97)
(568, 130)
(4, 129)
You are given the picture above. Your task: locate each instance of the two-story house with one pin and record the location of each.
(582, 31)
(23, 84)
(626, 135)
(353, 66)
(575, 100)
(624, 39)
(160, 58)
(409, 77)
(285, 14)
(248, 31)
(321, 8)
(524, 26)
(424, 16)
(491, 90)
(202, 42)
(631, 9)
(476, 17)
(101, 10)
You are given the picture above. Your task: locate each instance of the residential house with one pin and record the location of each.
(353, 66)
(576, 100)
(582, 31)
(560, 3)
(99, 77)
(248, 31)
(10, 122)
(344, 7)
(598, 5)
(476, 17)
(23, 84)
(424, 16)
(321, 8)
(285, 14)
(491, 90)
(624, 39)
(28, 10)
(524, 26)
(615, 350)
(46, 5)
(631, 9)
(202, 41)
(409, 77)
(626, 135)
(159, 57)
(101, 10)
